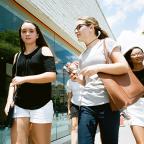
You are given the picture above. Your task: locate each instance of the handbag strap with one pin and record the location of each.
(16, 61)
(106, 53)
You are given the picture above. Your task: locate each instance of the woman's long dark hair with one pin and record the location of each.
(40, 41)
(98, 30)
(127, 56)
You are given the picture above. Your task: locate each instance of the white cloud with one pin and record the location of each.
(112, 2)
(129, 39)
(140, 27)
(135, 5)
(127, 5)
(119, 16)
(122, 9)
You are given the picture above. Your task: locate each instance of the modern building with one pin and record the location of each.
(56, 18)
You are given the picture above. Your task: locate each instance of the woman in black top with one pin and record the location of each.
(135, 58)
(35, 68)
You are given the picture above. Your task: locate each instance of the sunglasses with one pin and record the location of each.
(79, 26)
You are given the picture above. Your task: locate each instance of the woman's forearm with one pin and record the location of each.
(10, 93)
(41, 78)
(116, 68)
(37, 79)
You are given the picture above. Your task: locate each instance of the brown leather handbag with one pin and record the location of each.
(124, 89)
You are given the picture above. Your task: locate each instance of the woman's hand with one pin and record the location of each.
(8, 105)
(10, 101)
(78, 78)
(89, 71)
(18, 80)
(74, 76)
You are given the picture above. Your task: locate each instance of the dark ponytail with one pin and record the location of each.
(100, 33)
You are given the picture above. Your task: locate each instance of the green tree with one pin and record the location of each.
(9, 44)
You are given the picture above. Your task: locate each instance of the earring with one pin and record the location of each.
(99, 33)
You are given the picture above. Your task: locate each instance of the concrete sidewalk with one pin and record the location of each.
(125, 136)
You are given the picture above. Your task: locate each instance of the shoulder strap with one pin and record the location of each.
(15, 57)
(16, 61)
(106, 53)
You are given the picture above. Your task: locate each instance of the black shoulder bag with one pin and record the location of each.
(9, 119)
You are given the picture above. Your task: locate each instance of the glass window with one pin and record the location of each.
(9, 45)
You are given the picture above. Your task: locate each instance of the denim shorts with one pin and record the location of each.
(41, 115)
(74, 110)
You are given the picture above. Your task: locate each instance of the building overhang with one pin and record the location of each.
(44, 19)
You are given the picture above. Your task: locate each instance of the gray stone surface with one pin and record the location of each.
(125, 136)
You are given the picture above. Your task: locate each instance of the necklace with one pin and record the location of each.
(91, 42)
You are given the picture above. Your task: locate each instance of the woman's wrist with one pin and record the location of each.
(9, 100)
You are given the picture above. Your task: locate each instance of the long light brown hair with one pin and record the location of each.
(98, 30)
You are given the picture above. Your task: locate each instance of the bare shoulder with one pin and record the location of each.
(46, 51)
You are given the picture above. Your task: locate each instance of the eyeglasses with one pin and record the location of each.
(137, 54)
(79, 26)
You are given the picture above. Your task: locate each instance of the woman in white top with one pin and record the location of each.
(95, 109)
(135, 58)
(73, 93)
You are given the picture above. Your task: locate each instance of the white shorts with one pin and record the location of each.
(136, 113)
(41, 115)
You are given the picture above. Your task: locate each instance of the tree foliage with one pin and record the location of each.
(9, 44)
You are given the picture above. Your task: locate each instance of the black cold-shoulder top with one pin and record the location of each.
(34, 96)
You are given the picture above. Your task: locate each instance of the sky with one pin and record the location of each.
(126, 20)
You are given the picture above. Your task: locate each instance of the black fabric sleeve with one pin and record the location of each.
(49, 63)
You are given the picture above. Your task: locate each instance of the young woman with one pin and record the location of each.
(73, 93)
(33, 112)
(95, 109)
(135, 58)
